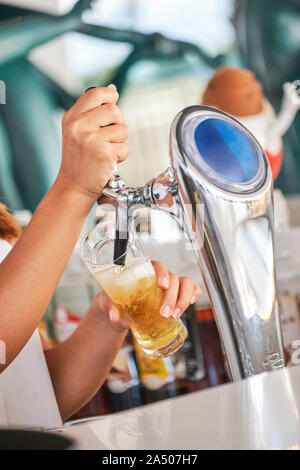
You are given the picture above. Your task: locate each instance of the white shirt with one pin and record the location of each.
(27, 398)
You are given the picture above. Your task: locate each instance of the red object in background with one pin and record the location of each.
(65, 323)
(212, 350)
(275, 161)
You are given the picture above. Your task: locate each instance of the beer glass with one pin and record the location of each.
(133, 287)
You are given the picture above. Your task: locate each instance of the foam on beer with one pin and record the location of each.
(124, 275)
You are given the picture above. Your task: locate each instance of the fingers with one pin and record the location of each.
(162, 274)
(108, 307)
(115, 133)
(95, 97)
(94, 139)
(170, 296)
(196, 293)
(185, 294)
(108, 152)
(179, 292)
(102, 116)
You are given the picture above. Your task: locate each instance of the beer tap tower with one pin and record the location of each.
(218, 187)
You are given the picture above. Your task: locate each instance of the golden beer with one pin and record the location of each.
(134, 288)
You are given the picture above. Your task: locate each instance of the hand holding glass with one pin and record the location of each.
(133, 287)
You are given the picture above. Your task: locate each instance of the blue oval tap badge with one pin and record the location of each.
(227, 150)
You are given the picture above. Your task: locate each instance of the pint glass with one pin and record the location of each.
(133, 287)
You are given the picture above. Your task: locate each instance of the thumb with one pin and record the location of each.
(109, 308)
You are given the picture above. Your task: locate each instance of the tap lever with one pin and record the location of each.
(116, 182)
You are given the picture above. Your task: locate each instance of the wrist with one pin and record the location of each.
(71, 196)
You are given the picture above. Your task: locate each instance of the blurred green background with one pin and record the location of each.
(160, 54)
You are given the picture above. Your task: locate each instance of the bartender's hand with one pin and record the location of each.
(180, 292)
(94, 139)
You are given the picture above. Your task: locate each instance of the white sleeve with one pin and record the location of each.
(27, 397)
(26, 390)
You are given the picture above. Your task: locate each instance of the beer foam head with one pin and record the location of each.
(142, 269)
(124, 275)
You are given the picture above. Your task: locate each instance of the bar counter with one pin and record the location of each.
(261, 412)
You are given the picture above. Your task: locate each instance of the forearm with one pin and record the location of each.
(79, 366)
(31, 271)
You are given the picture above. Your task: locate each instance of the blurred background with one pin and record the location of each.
(162, 55)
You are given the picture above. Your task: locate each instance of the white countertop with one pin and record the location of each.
(261, 412)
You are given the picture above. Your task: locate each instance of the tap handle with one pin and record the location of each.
(116, 182)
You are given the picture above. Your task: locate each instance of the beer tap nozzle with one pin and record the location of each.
(114, 194)
(122, 234)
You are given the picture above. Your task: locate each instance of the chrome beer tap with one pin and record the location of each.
(218, 188)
